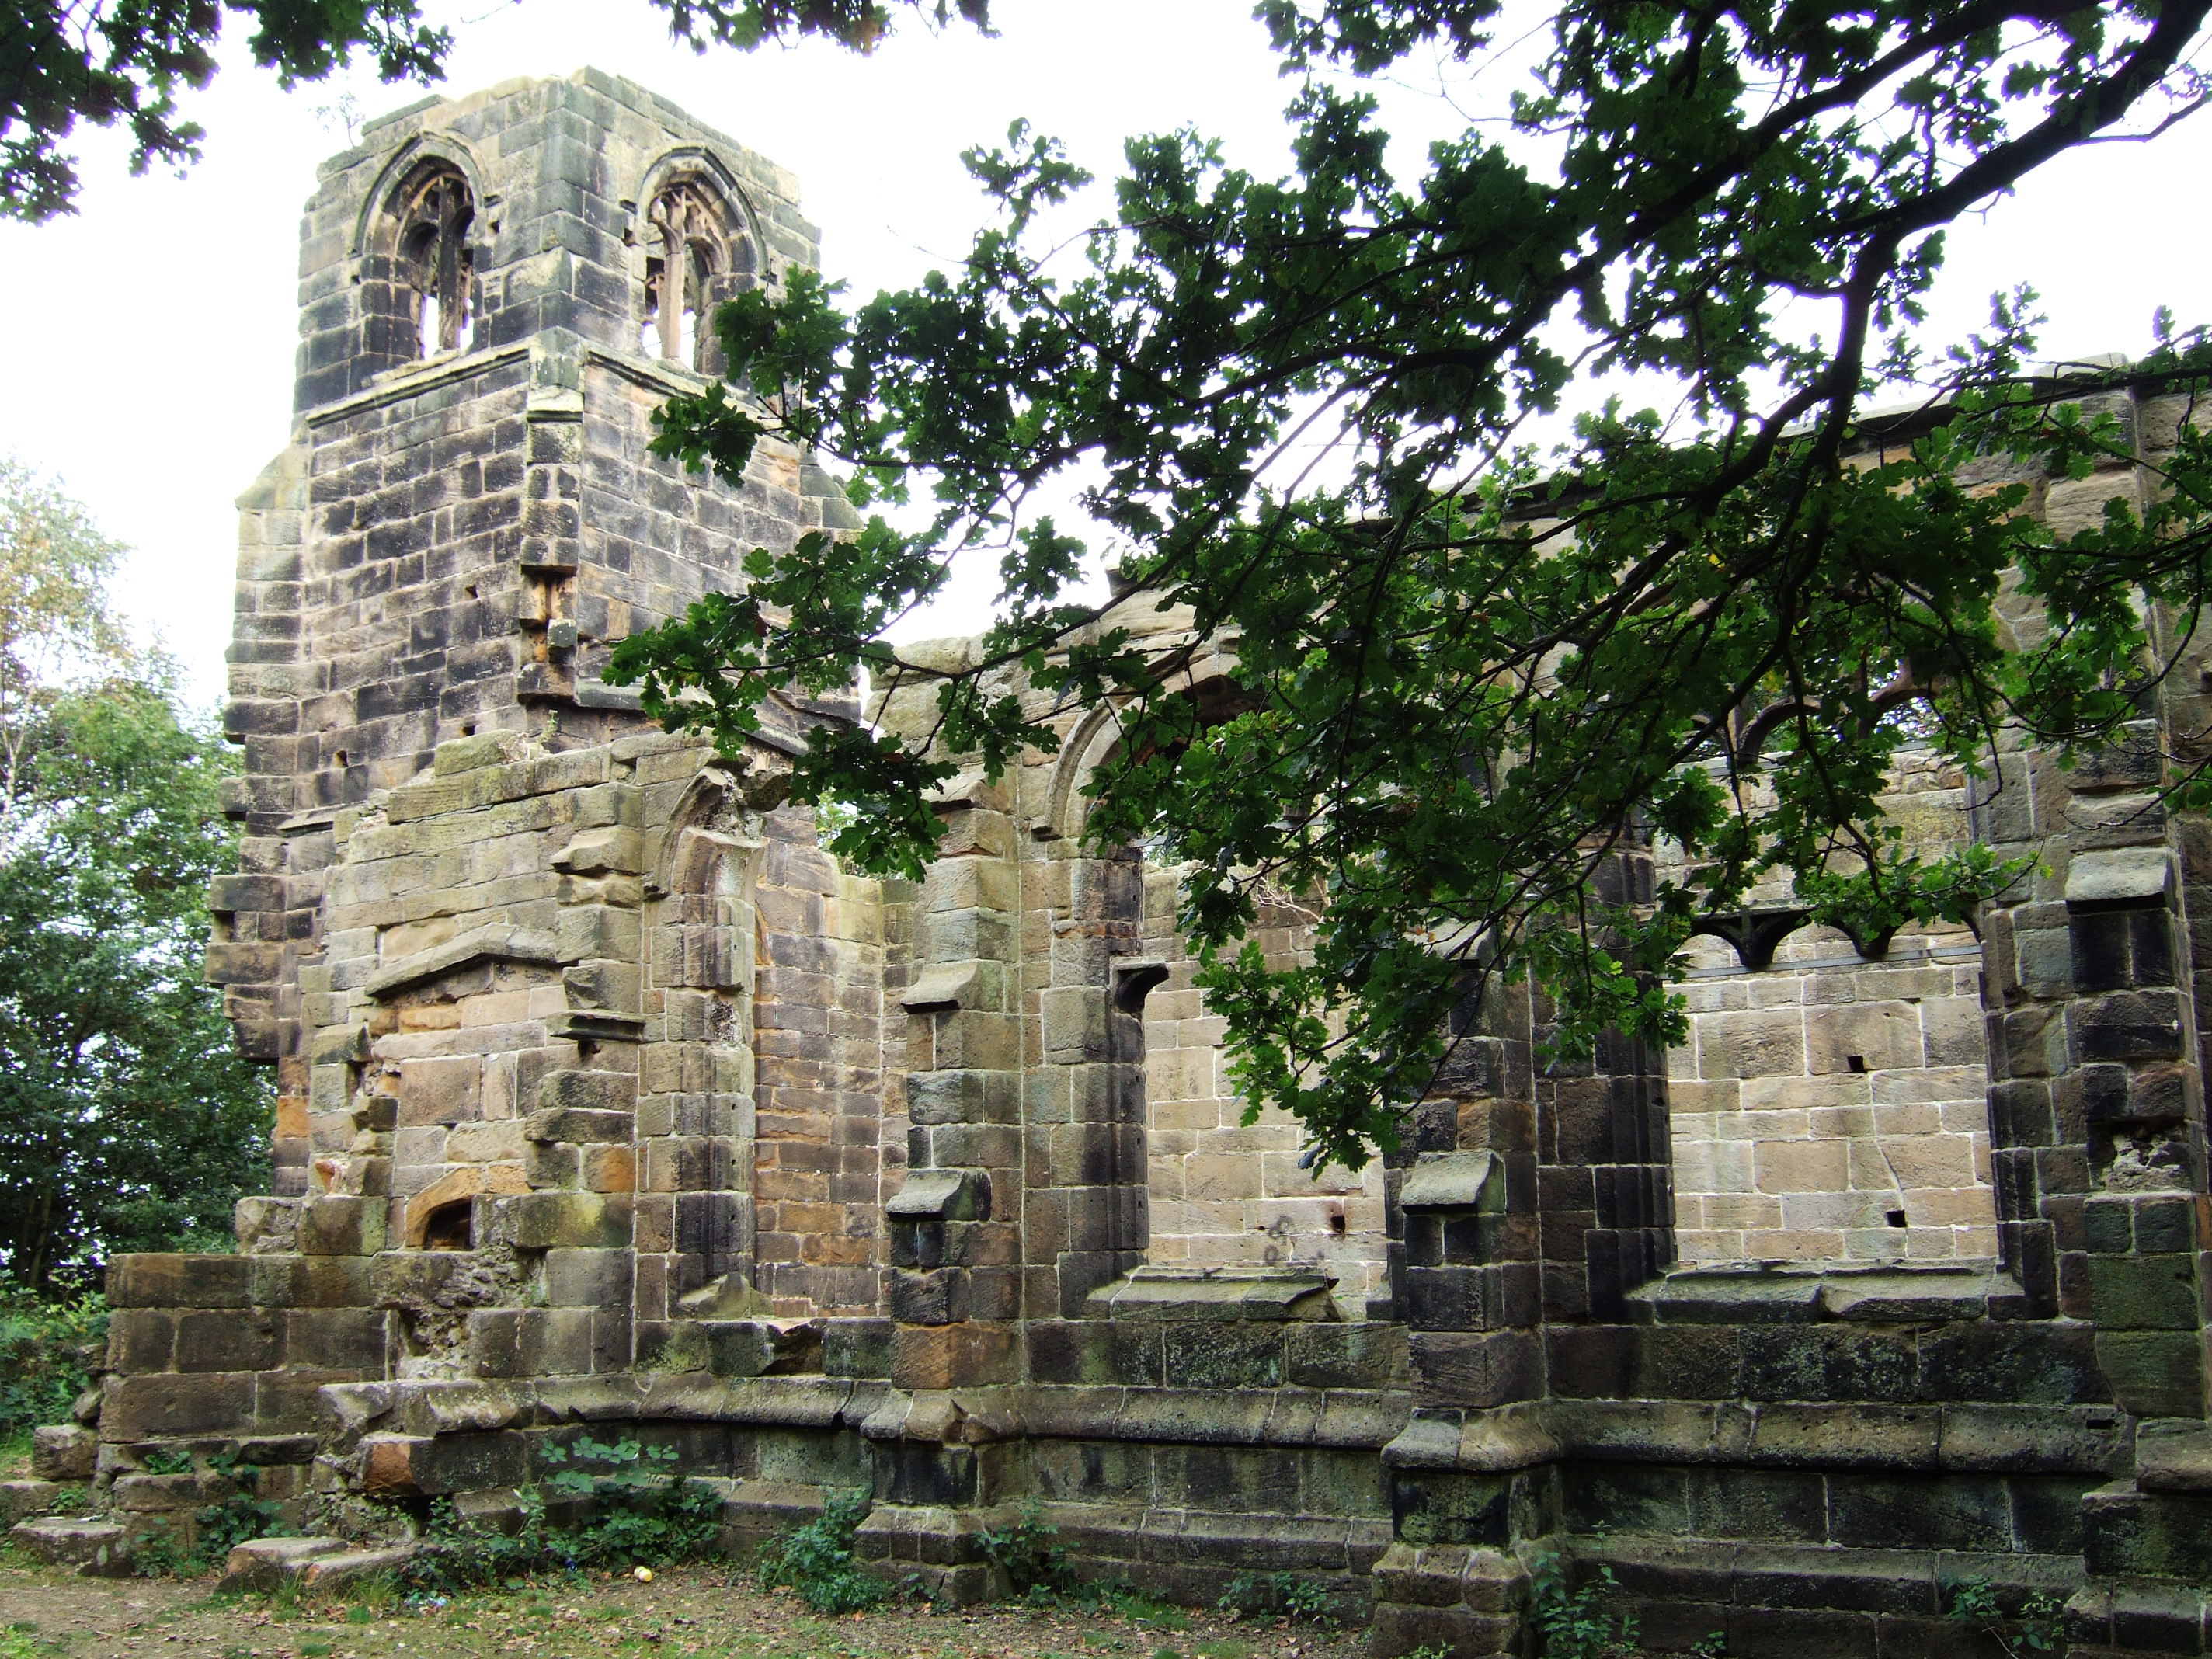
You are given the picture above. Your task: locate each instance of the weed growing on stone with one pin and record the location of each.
(644, 1513)
(2040, 1627)
(1027, 1551)
(817, 1559)
(236, 1520)
(1573, 1623)
(638, 1512)
(217, 1530)
(156, 1556)
(1281, 1595)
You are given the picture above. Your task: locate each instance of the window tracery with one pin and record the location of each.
(691, 260)
(434, 261)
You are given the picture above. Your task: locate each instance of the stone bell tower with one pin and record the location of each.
(495, 295)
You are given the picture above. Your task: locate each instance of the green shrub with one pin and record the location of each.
(47, 1349)
(817, 1559)
(1120, 1599)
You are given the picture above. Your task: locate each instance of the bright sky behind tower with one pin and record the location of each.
(148, 345)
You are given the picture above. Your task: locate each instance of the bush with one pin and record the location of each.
(641, 1512)
(817, 1559)
(47, 1349)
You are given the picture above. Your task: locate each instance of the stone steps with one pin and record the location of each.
(314, 1564)
(97, 1549)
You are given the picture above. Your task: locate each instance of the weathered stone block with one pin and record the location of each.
(544, 1221)
(533, 1342)
(329, 1575)
(578, 1125)
(304, 1281)
(1355, 1356)
(857, 1347)
(64, 1451)
(1475, 1370)
(266, 1225)
(338, 1339)
(2143, 1293)
(2153, 1373)
(599, 851)
(1207, 1356)
(97, 1549)
(141, 1340)
(262, 1563)
(162, 1407)
(585, 931)
(248, 1341)
(22, 1499)
(180, 1281)
(2127, 1025)
(936, 1296)
(598, 1092)
(953, 1356)
(339, 1225)
(587, 1278)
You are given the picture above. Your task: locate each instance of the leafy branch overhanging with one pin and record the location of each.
(1466, 675)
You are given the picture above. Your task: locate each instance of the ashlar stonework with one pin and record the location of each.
(612, 1104)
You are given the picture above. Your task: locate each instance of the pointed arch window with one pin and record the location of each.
(694, 260)
(435, 263)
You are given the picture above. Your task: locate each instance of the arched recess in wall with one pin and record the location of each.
(695, 1102)
(1219, 1194)
(697, 245)
(416, 247)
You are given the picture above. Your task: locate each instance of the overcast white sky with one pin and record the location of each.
(148, 345)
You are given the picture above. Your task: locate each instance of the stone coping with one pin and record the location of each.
(1935, 1439)
(1987, 1439)
(1343, 1419)
(1272, 1294)
(1875, 1293)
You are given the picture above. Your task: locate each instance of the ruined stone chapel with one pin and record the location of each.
(610, 1104)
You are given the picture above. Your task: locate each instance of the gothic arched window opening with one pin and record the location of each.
(692, 256)
(434, 261)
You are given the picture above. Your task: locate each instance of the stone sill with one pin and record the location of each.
(1792, 1293)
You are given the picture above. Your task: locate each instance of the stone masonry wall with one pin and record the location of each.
(1223, 1191)
(1831, 1106)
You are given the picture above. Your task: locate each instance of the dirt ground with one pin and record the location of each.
(685, 1611)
